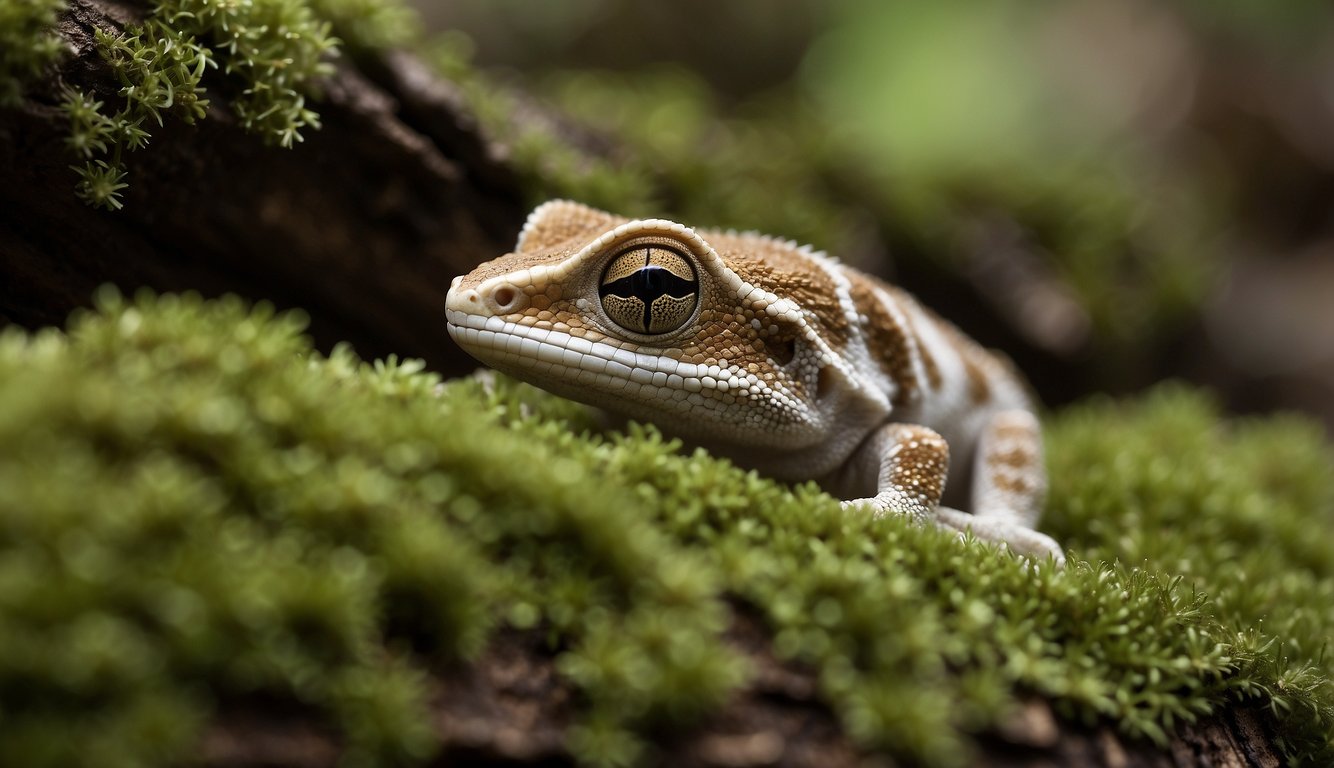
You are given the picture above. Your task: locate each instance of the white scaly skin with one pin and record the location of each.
(768, 353)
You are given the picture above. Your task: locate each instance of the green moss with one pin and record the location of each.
(272, 53)
(369, 25)
(159, 70)
(28, 44)
(1239, 511)
(197, 509)
(190, 501)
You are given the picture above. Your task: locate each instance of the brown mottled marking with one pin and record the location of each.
(1011, 468)
(510, 262)
(1014, 484)
(886, 339)
(918, 463)
(1019, 456)
(1009, 430)
(779, 268)
(563, 221)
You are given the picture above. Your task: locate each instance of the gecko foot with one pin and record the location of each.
(892, 502)
(1029, 544)
(1026, 542)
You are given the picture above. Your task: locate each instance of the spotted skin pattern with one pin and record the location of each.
(769, 353)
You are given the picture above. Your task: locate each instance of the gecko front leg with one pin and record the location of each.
(1008, 483)
(910, 463)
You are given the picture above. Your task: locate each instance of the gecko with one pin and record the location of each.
(771, 354)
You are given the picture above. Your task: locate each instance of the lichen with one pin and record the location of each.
(197, 508)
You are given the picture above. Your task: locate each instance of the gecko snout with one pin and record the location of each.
(499, 298)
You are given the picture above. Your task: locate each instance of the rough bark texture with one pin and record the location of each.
(363, 225)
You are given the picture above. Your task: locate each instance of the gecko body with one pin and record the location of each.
(769, 353)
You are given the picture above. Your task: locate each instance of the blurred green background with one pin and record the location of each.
(1113, 191)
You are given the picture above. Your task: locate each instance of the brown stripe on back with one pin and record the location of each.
(887, 340)
(910, 306)
(976, 361)
(979, 387)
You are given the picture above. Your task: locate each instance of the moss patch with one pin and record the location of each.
(197, 508)
(1238, 512)
(28, 43)
(272, 55)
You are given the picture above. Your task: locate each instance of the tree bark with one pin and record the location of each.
(362, 225)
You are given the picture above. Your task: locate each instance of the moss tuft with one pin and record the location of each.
(272, 50)
(159, 69)
(273, 54)
(28, 44)
(197, 509)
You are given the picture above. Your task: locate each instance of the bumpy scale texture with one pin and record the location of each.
(769, 353)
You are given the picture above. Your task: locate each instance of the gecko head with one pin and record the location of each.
(649, 319)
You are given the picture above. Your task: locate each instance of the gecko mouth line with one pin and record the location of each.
(594, 363)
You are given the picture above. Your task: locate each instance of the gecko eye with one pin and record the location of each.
(649, 289)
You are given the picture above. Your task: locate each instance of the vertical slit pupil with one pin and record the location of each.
(647, 283)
